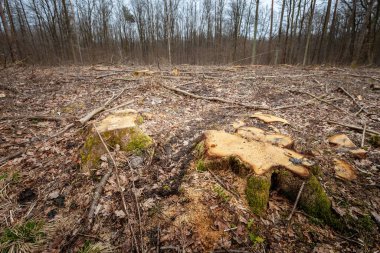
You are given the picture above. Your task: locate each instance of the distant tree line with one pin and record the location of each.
(190, 31)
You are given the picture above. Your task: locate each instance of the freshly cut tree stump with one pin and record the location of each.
(119, 128)
(266, 166)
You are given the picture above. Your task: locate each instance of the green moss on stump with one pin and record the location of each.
(314, 200)
(129, 140)
(257, 193)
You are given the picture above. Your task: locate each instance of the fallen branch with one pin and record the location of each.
(353, 99)
(223, 184)
(11, 156)
(90, 115)
(34, 117)
(324, 101)
(353, 127)
(296, 203)
(215, 99)
(107, 75)
(363, 136)
(6, 87)
(95, 200)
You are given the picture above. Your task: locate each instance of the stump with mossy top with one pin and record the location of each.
(119, 128)
(264, 164)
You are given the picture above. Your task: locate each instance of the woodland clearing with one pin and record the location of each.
(170, 202)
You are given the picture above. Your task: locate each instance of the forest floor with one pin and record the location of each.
(171, 206)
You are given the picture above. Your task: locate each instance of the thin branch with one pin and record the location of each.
(353, 127)
(296, 203)
(363, 135)
(215, 99)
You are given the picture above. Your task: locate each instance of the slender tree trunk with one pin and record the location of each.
(253, 59)
(309, 27)
(270, 34)
(279, 33)
(374, 34)
(324, 29)
(6, 32)
(331, 34)
(13, 29)
(362, 34)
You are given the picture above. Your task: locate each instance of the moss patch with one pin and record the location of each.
(200, 166)
(314, 200)
(374, 140)
(257, 193)
(129, 139)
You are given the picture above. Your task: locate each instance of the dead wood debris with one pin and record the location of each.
(215, 99)
(353, 127)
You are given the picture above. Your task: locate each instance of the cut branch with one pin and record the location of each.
(214, 99)
(34, 117)
(353, 99)
(354, 127)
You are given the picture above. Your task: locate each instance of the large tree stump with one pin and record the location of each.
(265, 165)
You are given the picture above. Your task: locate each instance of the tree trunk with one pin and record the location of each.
(309, 27)
(279, 33)
(6, 32)
(253, 59)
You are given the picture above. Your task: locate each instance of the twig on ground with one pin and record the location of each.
(322, 100)
(223, 184)
(353, 127)
(296, 203)
(363, 136)
(33, 117)
(215, 99)
(96, 197)
(353, 99)
(107, 75)
(11, 156)
(119, 106)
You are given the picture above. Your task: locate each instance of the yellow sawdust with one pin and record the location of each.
(253, 133)
(261, 157)
(267, 118)
(344, 170)
(198, 216)
(118, 120)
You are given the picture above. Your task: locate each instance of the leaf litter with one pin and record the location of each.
(202, 215)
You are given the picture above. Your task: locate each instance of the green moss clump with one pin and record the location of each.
(139, 120)
(374, 140)
(138, 141)
(366, 223)
(257, 193)
(316, 170)
(221, 193)
(200, 166)
(129, 139)
(314, 200)
(200, 149)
